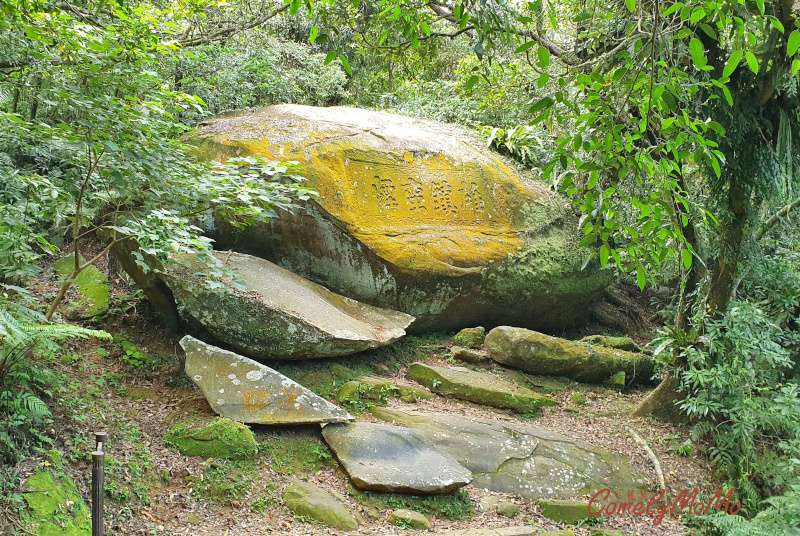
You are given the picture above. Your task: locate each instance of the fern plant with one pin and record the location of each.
(24, 381)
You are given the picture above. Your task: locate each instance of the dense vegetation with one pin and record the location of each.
(670, 125)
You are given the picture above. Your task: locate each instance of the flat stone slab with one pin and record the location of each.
(280, 315)
(538, 353)
(247, 391)
(479, 387)
(382, 457)
(519, 459)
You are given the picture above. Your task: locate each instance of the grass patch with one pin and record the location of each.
(454, 506)
(292, 455)
(225, 480)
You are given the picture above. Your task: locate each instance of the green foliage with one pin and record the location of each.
(455, 505)
(780, 516)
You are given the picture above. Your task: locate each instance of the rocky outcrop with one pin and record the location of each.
(413, 216)
(478, 387)
(382, 457)
(277, 314)
(538, 353)
(242, 389)
(309, 501)
(518, 459)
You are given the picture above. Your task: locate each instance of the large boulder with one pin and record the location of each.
(381, 457)
(279, 315)
(414, 216)
(538, 353)
(242, 389)
(516, 458)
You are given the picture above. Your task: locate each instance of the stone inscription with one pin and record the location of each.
(437, 198)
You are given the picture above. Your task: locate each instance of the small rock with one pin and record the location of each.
(620, 343)
(478, 387)
(470, 337)
(373, 513)
(508, 509)
(606, 532)
(488, 503)
(217, 438)
(379, 389)
(564, 511)
(409, 519)
(470, 356)
(580, 398)
(307, 500)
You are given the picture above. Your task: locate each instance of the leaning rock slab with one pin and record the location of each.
(538, 353)
(519, 459)
(247, 391)
(280, 315)
(381, 457)
(414, 216)
(478, 387)
(307, 500)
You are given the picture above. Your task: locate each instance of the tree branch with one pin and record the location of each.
(770, 223)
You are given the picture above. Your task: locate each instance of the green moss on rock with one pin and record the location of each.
(309, 501)
(470, 337)
(219, 438)
(609, 341)
(563, 511)
(409, 519)
(54, 506)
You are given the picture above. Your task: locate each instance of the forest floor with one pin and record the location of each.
(134, 388)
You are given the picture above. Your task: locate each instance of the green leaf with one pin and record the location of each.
(687, 258)
(631, 5)
(346, 64)
(314, 32)
(777, 24)
(295, 7)
(112, 146)
(330, 57)
(696, 50)
(641, 278)
(472, 81)
(795, 67)
(727, 93)
(752, 62)
(733, 62)
(544, 57)
(760, 4)
(605, 251)
(524, 46)
(794, 43)
(546, 102)
(543, 79)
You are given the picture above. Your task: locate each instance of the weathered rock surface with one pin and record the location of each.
(508, 509)
(414, 216)
(281, 315)
(409, 519)
(470, 337)
(519, 459)
(479, 387)
(213, 438)
(469, 355)
(381, 457)
(307, 500)
(538, 353)
(564, 511)
(377, 389)
(91, 287)
(247, 391)
(609, 341)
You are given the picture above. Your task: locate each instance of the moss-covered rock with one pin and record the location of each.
(470, 337)
(508, 509)
(413, 216)
(564, 511)
(469, 355)
(609, 341)
(378, 390)
(54, 506)
(91, 286)
(409, 519)
(538, 353)
(279, 315)
(309, 501)
(478, 387)
(215, 438)
(606, 532)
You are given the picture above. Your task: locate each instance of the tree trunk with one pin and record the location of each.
(726, 266)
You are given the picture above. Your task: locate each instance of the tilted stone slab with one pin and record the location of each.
(382, 457)
(479, 387)
(280, 315)
(538, 353)
(519, 459)
(247, 391)
(413, 215)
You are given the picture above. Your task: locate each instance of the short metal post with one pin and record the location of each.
(98, 484)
